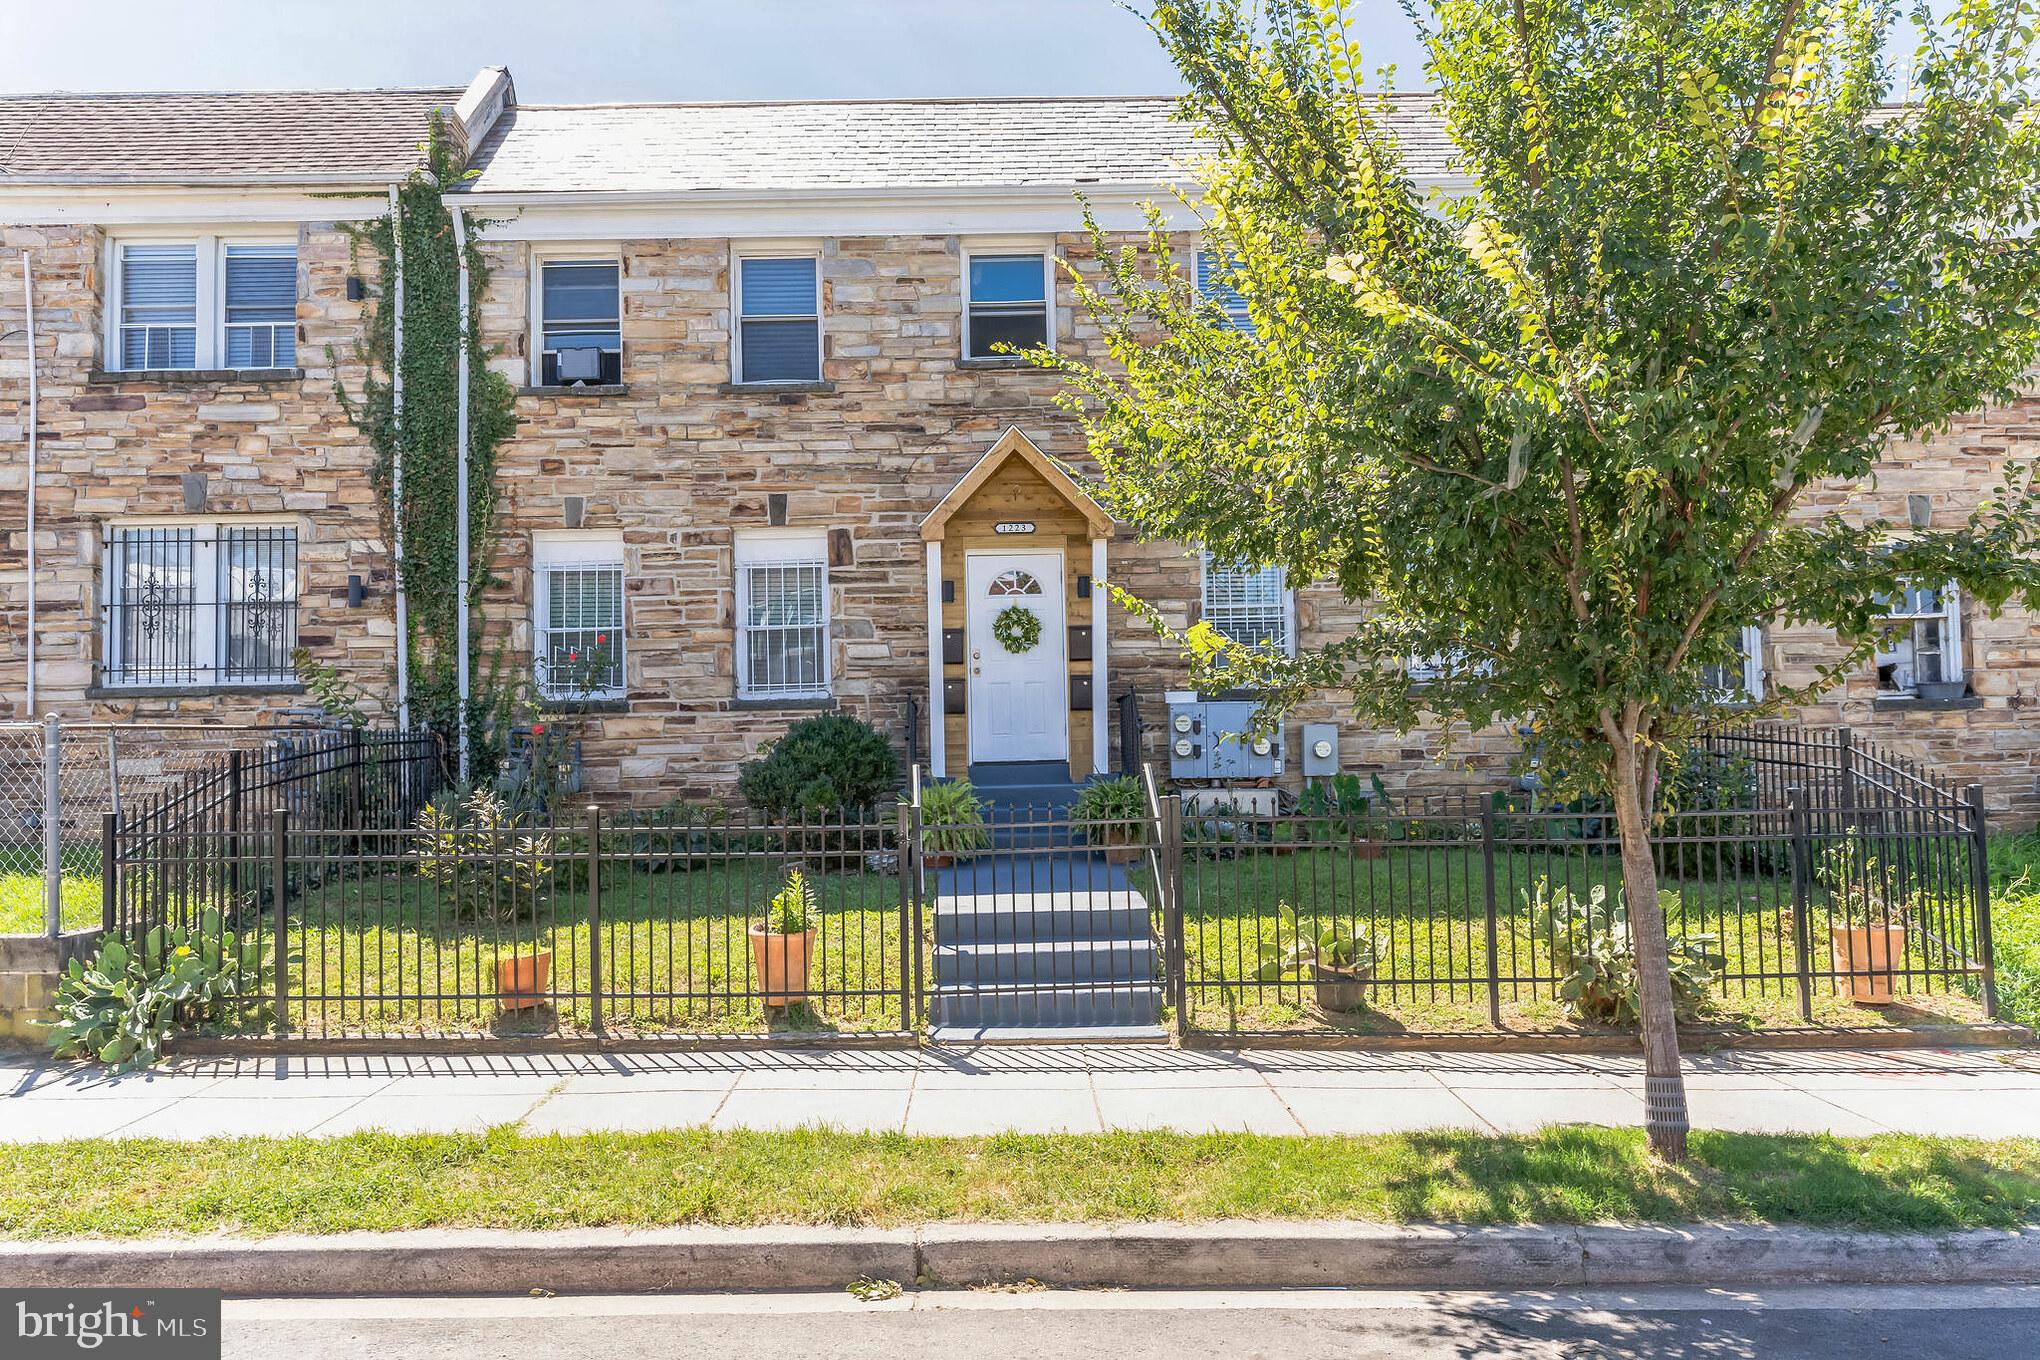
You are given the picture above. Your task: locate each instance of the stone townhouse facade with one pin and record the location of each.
(766, 459)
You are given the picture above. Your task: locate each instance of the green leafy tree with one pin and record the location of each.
(1560, 424)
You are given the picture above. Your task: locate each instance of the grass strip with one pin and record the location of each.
(504, 1179)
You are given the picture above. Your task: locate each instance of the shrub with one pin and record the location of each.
(478, 858)
(1116, 809)
(1596, 955)
(121, 1007)
(952, 819)
(823, 766)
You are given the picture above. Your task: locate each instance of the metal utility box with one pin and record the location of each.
(1209, 739)
(1320, 750)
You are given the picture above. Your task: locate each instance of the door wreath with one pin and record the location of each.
(1017, 628)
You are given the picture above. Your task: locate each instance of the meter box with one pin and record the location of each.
(1210, 739)
(1320, 750)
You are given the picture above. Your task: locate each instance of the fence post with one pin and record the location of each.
(1845, 756)
(1979, 865)
(279, 895)
(1174, 978)
(52, 826)
(109, 870)
(595, 919)
(234, 825)
(1802, 888)
(910, 940)
(1491, 914)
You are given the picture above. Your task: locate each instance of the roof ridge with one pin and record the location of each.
(871, 99)
(31, 96)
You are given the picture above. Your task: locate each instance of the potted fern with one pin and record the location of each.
(1111, 813)
(1341, 959)
(783, 942)
(952, 823)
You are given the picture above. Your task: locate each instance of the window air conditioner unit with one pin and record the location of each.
(583, 363)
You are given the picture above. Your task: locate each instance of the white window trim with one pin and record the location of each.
(568, 550)
(766, 547)
(205, 628)
(1288, 603)
(773, 250)
(585, 252)
(209, 249)
(1026, 245)
(1950, 614)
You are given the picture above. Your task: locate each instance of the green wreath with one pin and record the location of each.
(1017, 628)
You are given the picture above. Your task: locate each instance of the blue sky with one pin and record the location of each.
(582, 51)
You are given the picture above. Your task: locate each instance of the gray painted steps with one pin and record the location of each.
(1047, 1034)
(1042, 962)
(1030, 1004)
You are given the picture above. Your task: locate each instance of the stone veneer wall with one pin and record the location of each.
(680, 459)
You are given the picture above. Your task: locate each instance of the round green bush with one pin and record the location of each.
(822, 766)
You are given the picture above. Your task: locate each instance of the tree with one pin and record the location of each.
(1554, 426)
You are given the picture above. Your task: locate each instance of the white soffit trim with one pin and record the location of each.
(141, 206)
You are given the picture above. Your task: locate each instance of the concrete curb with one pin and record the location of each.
(1150, 1255)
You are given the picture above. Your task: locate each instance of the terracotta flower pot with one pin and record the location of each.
(782, 965)
(1120, 844)
(1341, 989)
(522, 980)
(1866, 956)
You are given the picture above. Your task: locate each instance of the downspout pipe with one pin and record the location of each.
(34, 462)
(460, 492)
(397, 467)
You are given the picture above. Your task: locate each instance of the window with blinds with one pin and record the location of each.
(1248, 605)
(1215, 284)
(205, 304)
(578, 638)
(159, 307)
(580, 306)
(1006, 304)
(199, 605)
(782, 617)
(779, 323)
(261, 306)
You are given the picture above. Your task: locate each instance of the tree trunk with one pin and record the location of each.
(1664, 1088)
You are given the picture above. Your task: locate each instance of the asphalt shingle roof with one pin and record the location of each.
(862, 144)
(195, 138)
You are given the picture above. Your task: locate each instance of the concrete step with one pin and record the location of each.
(1014, 1004)
(1045, 963)
(1023, 872)
(991, 773)
(1035, 918)
(1047, 1034)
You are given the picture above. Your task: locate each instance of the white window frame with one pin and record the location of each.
(209, 250)
(1206, 609)
(577, 551)
(1950, 617)
(1031, 245)
(587, 252)
(1750, 686)
(1424, 669)
(755, 548)
(207, 626)
(773, 250)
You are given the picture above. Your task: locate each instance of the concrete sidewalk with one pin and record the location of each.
(953, 1091)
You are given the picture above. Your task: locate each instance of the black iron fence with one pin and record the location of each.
(1805, 878)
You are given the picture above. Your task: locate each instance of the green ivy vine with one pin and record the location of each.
(429, 441)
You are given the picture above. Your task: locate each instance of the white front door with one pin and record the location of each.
(1018, 706)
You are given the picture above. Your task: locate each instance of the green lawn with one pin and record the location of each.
(2015, 917)
(21, 902)
(502, 1179)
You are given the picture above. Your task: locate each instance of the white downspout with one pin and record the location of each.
(34, 458)
(461, 487)
(397, 470)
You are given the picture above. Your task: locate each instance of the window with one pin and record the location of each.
(1212, 282)
(1741, 680)
(1249, 606)
(1446, 665)
(779, 322)
(1921, 654)
(204, 304)
(577, 606)
(1006, 304)
(200, 604)
(782, 616)
(580, 322)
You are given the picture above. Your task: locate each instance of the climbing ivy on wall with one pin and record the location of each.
(428, 438)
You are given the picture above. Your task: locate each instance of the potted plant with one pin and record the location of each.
(486, 866)
(952, 823)
(1112, 813)
(1341, 957)
(1865, 929)
(782, 943)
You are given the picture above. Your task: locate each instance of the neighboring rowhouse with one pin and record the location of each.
(768, 452)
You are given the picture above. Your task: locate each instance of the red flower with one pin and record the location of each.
(538, 729)
(601, 638)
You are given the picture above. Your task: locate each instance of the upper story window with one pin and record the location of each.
(580, 322)
(782, 615)
(1250, 606)
(199, 604)
(577, 616)
(1741, 680)
(1921, 654)
(1005, 303)
(204, 303)
(1213, 282)
(779, 319)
